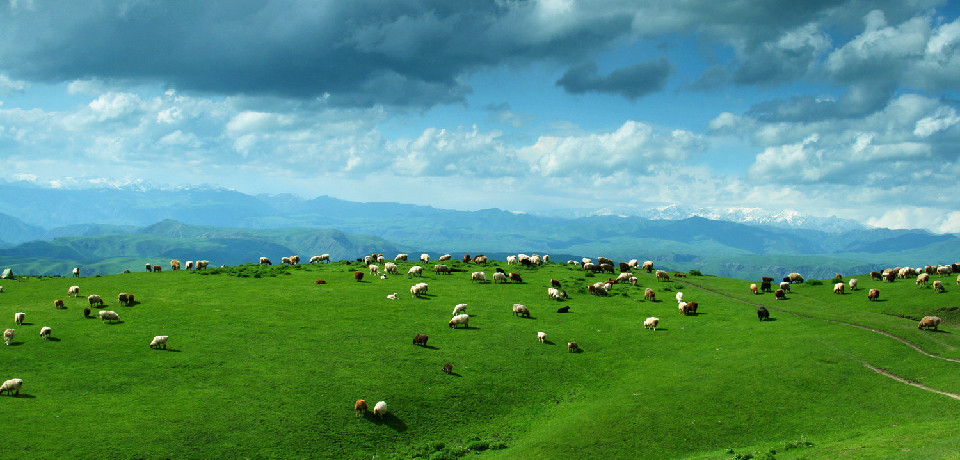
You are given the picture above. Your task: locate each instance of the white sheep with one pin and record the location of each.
(541, 336)
(402, 257)
(73, 291)
(553, 293)
(189, 264)
(445, 257)
(390, 267)
(11, 386)
(19, 316)
(45, 332)
(424, 258)
(785, 285)
(838, 288)
(368, 259)
(478, 276)
(381, 259)
(634, 263)
(633, 280)
(651, 323)
(586, 260)
(679, 296)
(159, 341)
(109, 315)
(460, 308)
(76, 272)
(374, 269)
(8, 336)
(315, 259)
(521, 310)
(853, 284)
(325, 258)
(415, 270)
(380, 409)
(462, 318)
(418, 289)
(383, 277)
(511, 260)
(625, 276)
(944, 270)
(393, 296)
(499, 277)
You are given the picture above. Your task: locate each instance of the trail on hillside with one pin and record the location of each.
(884, 333)
(908, 382)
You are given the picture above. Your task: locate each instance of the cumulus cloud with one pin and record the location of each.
(938, 220)
(631, 82)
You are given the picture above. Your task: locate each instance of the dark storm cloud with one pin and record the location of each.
(631, 82)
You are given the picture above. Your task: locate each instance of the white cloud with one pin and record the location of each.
(938, 220)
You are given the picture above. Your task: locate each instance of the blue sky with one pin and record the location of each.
(846, 108)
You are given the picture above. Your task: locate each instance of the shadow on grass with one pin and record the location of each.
(431, 347)
(388, 419)
(25, 324)
(941, 331)
(769, 319)
(22, 395)
(548, 342)
(53, 339)
(16, 344)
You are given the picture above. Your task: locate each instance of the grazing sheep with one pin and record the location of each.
(762, 313)
(648, 266)
(876, 276)
(606, 268)
(445, 258)
(401, 257)
(73, 291)
(515, 277)
(109, 315)
(874, 294)
(424, 258)
(648, 294)
(95, 299)
(390, 267)
(572, 347)
(360, 407)
(459, 308)
(624, 276)
(326, 258)
(838, 288)
(795, 278)
(590, 267)
(123, 298)
(692, 308)
(958, 280)
(780, 294)
(157, 269)
(889, 276)
(662, 276)
(604, 260)
(18, 317)
(415, 270)
(374, 269)
(478, 276)
(541, 336)
(420, 339)
(264, 260)
(159, 341)
(86, 312)
(45, 332)
(938, 286)
(944, 270)
(148, 267)
(753, 289)
(418, 289)
(785, 286)
(922, 278)
(201, 264)
(563, 310)
(11, 386)
(441, 269)
(481, 259)
(358, 275)
(295, 260)
(651, 323)
(285, 260)
(58, 303)
(189, 265)
(623, 267)
(928, 322)
(76, 272)
(315, 260)
(853, 284)
(8, 336)
(174, 264)
(463, 319)
(380, 409)
(521, 310)
(632, 280)
(682, 306)
(447, 368)
(679, 296)
(765, 286)
(499, 277)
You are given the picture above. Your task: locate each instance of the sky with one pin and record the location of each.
(843, 108)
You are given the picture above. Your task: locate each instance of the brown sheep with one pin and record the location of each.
(572, 347)
(86, 312)
(624, 267)
(754, 289)
(122, 298)
(938, 286)
(420, 339)
(358, 276)
(928, 322)
(780, 294)
(662, 276)
(874, 294)
(157, 268)
(648, 294)
(515, 277)
(556, 283)
(875, 276)
(466, 258)
(58, 303)
(448, 368)
(360, 406)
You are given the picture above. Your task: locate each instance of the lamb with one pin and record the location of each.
(159, 341)
(459, 308)
(541, 336)
(928, 322)
(651, 323)
(360, 407)
(76, 272)
(662, 276)
(109, 315)
(374, 269)
(463, 319)
(441, 269)
(18, 317)
(938, 286)
(420, 339)
(45, 332)
(762, 313)
(521, 310)
(11, 386)
(648, 294)
(415, 270)
(780, 294)
(922, 278)
(838, 288)
(445, 257)
(380, 409)
(358, 275)
(853, 284)
(8, 336)
(753, 289)
(874, 294)
(478, 276)
(58, 303)
(390, 267)
(424, 258)
(73, 291)
(401, 257)
(573, 347)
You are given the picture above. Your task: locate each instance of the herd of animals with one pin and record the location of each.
(460, 318)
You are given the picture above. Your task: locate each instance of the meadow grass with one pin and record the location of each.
(263, 363)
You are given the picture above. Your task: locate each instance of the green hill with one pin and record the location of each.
(263, 362)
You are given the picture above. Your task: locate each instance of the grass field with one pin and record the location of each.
(263, 363)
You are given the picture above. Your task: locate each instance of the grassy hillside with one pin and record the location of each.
(263, 362)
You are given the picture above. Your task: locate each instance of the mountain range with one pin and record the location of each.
(45, 231)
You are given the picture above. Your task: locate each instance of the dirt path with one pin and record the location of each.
(909, 382)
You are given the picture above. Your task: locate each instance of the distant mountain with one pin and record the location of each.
(13, 230)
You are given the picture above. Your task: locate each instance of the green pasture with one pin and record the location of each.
(264, 363)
